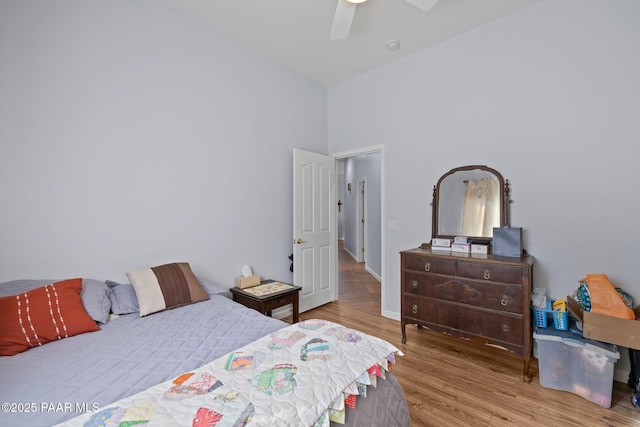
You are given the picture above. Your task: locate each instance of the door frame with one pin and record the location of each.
(383, 269)
(361, 215)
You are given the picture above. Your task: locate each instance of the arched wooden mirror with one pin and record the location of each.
(469, 201)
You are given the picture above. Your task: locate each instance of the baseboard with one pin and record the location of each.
(373, 273)
(352, 255)
(391, 314)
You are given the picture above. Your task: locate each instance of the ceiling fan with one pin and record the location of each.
(347, 8)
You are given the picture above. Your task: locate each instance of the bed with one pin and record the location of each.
(67, 379)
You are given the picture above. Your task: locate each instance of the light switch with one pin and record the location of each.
(392, 225)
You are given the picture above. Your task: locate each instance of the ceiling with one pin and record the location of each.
(295, 33)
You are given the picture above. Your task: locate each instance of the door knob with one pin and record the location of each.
(299, 241)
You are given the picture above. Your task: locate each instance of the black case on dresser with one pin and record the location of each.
(480, 297)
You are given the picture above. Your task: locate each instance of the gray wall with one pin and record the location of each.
(132, 135)
(548, 96)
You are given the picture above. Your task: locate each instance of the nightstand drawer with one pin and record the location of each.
(279, 302)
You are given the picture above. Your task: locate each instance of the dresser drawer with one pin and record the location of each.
(431, 265)
(419, 283)
(495, 296)
(488, 271)
(479, 294)
(463, 320)
(411, 308)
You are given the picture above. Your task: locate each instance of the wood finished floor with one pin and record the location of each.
(356, 286)
(453, 382)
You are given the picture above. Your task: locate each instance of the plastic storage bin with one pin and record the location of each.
(579, 365)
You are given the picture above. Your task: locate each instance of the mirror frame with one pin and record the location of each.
(504, 197)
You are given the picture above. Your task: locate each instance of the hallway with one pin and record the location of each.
(355, 285)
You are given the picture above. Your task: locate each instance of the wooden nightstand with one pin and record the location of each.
(269, 301)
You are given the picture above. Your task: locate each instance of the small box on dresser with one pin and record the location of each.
(441, 243)
(464, 248)
(477, 248)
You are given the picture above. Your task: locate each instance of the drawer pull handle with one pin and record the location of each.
(427, 266)
(505, 300)
(414, 308)
(505, 328)
(414, 283)
(487, 274)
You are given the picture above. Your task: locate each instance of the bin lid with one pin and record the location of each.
(576, 340)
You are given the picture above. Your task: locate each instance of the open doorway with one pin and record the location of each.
(360, 233)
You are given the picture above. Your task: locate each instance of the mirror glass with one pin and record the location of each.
(469, 201)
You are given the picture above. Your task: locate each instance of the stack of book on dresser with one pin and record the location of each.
(440, 244)
(470, 245)
(461, 244)
(479, 246)
(457, 244)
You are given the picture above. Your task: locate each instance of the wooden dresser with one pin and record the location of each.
(480, 297)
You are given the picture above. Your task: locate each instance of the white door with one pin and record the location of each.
(314, 228)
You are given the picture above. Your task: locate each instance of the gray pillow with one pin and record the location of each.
(96, 298)
(95, 294)
(210, 288)
(18, 286)
(123, 298)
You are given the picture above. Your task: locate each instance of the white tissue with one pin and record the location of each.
(246, 271)
(539, 298)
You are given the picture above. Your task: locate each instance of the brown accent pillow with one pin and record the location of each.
(166, 286)
(45, 314)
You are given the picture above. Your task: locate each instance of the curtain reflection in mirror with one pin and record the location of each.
(481, 211)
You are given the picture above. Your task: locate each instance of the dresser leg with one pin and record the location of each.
(404, 333)
(525, 370)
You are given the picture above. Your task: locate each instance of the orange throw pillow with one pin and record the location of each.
(42, 315)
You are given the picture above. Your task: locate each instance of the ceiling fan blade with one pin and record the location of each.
(425, 5)
(342, 20)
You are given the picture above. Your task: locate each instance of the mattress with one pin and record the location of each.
(60, 380)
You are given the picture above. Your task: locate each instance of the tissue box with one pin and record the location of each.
(247, 282)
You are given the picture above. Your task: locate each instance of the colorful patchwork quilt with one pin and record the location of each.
(303, 375)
